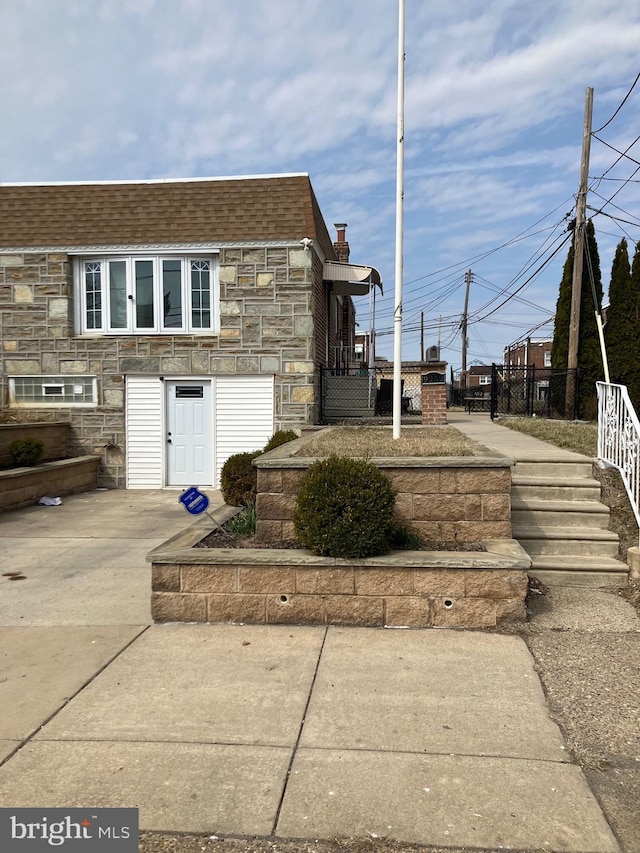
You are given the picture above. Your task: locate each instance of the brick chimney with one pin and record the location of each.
(341, 245)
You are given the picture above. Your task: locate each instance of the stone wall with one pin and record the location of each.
(413, 589)
(25, 486)
(443, 500)
(52, 435)
(267, 327)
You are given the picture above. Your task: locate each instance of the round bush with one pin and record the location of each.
(239, 479)
(282, 436)
(26, 451)
(345, 508)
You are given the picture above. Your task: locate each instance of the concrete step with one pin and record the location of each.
(554, 470)
(539, 513)
(567, 541)
(564, 489)
(579, 571)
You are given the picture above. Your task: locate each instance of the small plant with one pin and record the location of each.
(239, 479)
(243, 524)
(26, 451)
(282, 436)
(405, 539)
(345, 508)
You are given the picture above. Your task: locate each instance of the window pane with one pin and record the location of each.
(200, 294)
(93, 294)
(118, 294)
(144, 294)
(172, 294)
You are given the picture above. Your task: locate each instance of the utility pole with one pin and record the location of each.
(578, 250)
(422, 336)
(465, 340)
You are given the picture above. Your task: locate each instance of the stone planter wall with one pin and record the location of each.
(25, 486)
(53, 436)
(464, 499)
(274, 586)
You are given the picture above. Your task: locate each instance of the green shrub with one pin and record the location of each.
(244, 523)
(239, 479)
(26, 451)
(345, 508)
(282, 436)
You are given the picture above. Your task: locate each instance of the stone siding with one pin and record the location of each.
(267, 327)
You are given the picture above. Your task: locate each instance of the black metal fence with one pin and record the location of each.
(528, 390)
(367, 392)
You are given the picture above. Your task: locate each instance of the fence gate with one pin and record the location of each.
(528, 390)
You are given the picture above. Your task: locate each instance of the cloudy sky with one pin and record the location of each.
(122, 89)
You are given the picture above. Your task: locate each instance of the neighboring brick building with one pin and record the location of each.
(174, 322)
(529, 352)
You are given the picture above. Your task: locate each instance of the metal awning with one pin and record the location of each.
(351, 279)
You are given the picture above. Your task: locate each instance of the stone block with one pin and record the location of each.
(174, 607)
(448, 483)
(265, 279)
(247, 364)
(483, 480)
(303, 394)
(269, 480)
(404, 506)
(22, 293)
(175, 365)
(10, 346)
(208, 579)
(288, 531)
(416, 481)
(436, 582)
(303, 326)
(227, 274)
(11, 260)
(292, 480)
(139, 365)
(352, 610)
(463, 613)
(296, 609)
(77, 367)
(268, 531)
(251, 609)
(200, 362)
(21, 368)
(229, 308)
(407, 610)
(299, 258)
(447, 508)
(165, 578)
(496, 507)
(269, 364)
(306, 367)
(275, 507)
(58, 308)
(428, 531)
(384, 581)
(510, 610)
(323, 581)
(476, 531)
(223, 364)
(272, 579)
(229, 334)
(493, 583)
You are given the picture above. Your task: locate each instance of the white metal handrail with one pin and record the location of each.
(619, 438)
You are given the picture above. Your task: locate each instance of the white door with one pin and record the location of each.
(189, 433)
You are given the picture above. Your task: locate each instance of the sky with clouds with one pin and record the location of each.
(126, 89)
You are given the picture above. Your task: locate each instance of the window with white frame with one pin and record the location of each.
(57, 391)
(155, 294)
(485, 380)
(547, 359)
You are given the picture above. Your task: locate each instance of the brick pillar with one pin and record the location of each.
(434, 393)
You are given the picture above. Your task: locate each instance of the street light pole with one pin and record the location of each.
(397, 313)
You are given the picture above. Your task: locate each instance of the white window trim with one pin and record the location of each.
(484, 380)
(212, 255)
(547, 359)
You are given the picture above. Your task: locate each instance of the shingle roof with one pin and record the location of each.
(282, 207)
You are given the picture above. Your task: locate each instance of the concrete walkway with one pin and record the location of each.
(435, 737)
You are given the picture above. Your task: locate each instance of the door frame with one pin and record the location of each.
(210, 380)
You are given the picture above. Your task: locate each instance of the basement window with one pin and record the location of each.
(40, 391)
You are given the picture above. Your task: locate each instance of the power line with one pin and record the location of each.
(622, 103)
(621, 153)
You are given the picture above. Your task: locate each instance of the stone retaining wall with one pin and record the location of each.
(52, 435)
(444, 500)
(272, 586)
(25, 486)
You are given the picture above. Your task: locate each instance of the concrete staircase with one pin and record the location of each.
(557, 517)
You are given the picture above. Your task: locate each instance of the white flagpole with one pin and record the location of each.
(397, 313)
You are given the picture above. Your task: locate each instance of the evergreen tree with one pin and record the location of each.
(633, 342)
(621, 325)
(589, 357)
